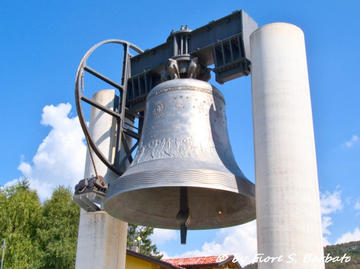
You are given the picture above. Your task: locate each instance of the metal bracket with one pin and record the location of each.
(90, 193)
(223, 43)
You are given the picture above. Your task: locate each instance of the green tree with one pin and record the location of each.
(20, 215)
(139, 237)
(43, 236)
(58, 233)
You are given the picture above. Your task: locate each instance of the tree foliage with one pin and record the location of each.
(20, 218)
(38, 235)
(44, 235)
(139, 237)
(58, 234)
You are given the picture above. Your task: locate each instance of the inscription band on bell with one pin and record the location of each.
(213, 92)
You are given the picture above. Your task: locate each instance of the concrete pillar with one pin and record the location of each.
(287, 194)
(101, 238)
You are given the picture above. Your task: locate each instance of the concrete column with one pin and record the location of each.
(101, 238)
(287, 194)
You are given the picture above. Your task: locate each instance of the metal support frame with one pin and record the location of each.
(120, 111)
(223, 43)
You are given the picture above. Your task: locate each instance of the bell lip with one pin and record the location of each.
(160, 221)
(134, 181)
(118, 195)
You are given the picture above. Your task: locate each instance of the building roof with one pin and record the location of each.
(197, 262)
(161, 263)
(186, 263)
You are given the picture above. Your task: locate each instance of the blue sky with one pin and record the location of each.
(42, 42)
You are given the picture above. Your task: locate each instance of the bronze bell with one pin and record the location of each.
(184, 174)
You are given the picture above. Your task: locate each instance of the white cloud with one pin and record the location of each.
(162, 235)
(325, 242)
(239, 240)
(326, 222)
(43, 189)
(349, 237)
(357, 205)
(353, 140)
(11, 183)
(25, 169)
(330, 204)
(60, 158)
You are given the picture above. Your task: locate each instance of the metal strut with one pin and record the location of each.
(120, 112)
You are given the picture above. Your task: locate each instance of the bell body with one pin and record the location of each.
(184, 143)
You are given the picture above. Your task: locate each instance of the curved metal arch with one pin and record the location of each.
(79, 88)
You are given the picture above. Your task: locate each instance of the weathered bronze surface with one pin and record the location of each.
(184, 143)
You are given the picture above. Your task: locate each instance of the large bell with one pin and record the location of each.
(184, 171)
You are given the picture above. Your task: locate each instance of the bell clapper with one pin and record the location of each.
(183, 217)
